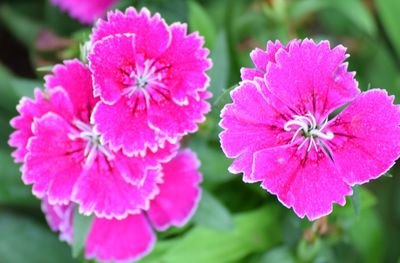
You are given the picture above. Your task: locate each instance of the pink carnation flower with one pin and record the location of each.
(86, 11)
(132, 238)
(65, 160)
(150, 78)
(280, 131)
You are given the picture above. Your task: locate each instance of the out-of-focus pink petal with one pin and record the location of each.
(53, 162)
(60, 218)
(85, 11)
(102, 190)
(110, 61)
(49, 101)
(261, 59)
(309, 183)
(75, 78)
(250, 124)
(187, 60)
(120, 241)
(121, 128)
(151, 32)
(179, 193)
(367, 137)
(177, 120)
(311, 77)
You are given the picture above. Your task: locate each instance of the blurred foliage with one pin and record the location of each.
(235, 222)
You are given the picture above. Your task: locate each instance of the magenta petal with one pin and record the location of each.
(134, 169)
(75, 78)
(188, 63)
(250, 124)
(102, 190)
(60, 218)
(151, 33)
(310, 186)
(179, 193)
(53, 162)
(261, 59)
(312, 77)
(118, 241)
(85, 11)
(49, 101)
(367, 137)
(107, 61)
(122, 128)
(175, 120)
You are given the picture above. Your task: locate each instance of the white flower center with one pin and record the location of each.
(93, 144)
(143, 76)
(311, 131)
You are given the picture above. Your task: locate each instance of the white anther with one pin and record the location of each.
(309, 127)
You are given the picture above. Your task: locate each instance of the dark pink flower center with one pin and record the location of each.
(145, 84)
(309, 130)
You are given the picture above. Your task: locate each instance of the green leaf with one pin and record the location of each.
(388, 11)
(45, 69)
(219, 73)
(12, 190)
(213, 214)
(200, 21)
(24, 29)
(254, 231)
(82, 226)
(279, 254)
(356, 200)
(214, 163)
(23, 240)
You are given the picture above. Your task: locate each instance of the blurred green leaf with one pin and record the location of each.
(388, 11)
(356, 200)
(365, 201)
(24, 29)
(367, 236)
(279, 254)
(307, 251)
(12, 190)
(213, 214)
(214, 163)
(219, 73)
(200, 21)
(82, 226)
(23, 240)
(254, 232)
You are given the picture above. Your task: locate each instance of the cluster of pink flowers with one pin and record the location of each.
(104, 138)
(282, 132)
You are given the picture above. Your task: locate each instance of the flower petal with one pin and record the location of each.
(187, 61)
(54, 162)
(309, 184)
(118, 241)
(60, 218)
(85, 11)
(108, 61)
(75, 78)
(49, 101)
(175, 120)
(179, 193)
(103, 191)
(367, 137)
(251, 123)
(151, 32)
(114, 121)
(312, 77)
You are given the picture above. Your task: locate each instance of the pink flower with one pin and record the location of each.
(150, 78)
(132, 238)
(280, 129)
(86, 11)
(65, 160)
